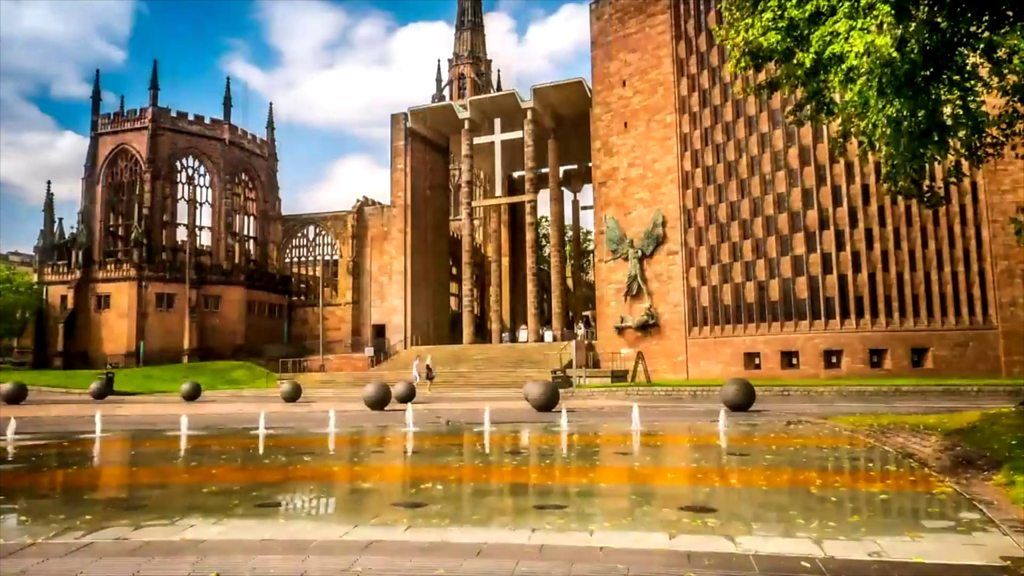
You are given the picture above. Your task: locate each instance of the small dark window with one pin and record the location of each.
(920, 357)
(164, 301)
(211, 303)
(250, 307)
(751, 360)
(790, 360)
(833, 359)
(63, 302)
(102, 302)
(878, 358)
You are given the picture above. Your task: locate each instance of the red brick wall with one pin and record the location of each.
(636, 170)
(1003, 187)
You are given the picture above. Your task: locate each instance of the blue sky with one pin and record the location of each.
(335, 71)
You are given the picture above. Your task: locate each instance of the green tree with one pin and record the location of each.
(544, 242)
(19, 299)
(915, 82)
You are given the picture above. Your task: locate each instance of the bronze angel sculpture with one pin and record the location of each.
(623, 248)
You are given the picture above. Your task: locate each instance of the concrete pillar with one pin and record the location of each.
(577, 258)
(530, 167)
(557, 210)
(494, 292)
(466, 198)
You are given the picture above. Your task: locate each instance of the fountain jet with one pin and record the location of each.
(635, 425)
(564, 423)
(98, 419)
(182, 435)
(331, 421)
(409, 423)
(723, 420)
(12, 425)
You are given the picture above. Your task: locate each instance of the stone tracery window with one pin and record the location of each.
(312, 253)
(122, 192)
(241, 216)
(194, 188)
(462, 85)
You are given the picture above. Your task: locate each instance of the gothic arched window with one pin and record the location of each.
(122, 194)
(462, 85)
(241, 219)
(194, 203)
(312, 257)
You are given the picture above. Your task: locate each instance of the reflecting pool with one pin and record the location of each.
(776, 479)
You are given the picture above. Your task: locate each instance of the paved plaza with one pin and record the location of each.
(196, 544)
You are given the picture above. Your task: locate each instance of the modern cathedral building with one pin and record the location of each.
(728, 241)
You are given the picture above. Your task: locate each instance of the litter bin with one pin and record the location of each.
(108, 380)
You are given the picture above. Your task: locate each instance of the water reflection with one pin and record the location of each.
(785, 481)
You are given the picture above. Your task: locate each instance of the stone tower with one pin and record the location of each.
(469, 69)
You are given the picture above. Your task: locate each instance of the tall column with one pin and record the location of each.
(577, 256)
(557, 208)
(466, 194)
(494, 293)
(530, 168)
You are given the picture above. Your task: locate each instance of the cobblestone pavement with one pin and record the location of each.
(312, 557)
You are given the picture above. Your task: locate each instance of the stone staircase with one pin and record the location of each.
(459, 366)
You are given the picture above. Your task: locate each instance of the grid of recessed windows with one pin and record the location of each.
(102, 302)
(784, 231)
(211, 303)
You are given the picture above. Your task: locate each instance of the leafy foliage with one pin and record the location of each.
(916, 82)
(544, 241)
(19, 299)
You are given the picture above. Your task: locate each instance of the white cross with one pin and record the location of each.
(497, 139)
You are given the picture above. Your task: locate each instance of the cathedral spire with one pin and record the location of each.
(120, 106)
(438, 85)
(96, 98)
(227, 100)
(44, 246)
(469, 69)
(497, 84)
(271, 137)
(154, 87)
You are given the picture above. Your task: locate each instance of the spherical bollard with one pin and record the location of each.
(542, 395)
(404, 392)
(738, 395)
(377, 396)
(290, 390)
(13, 392)
(191, 391)
(99, 390)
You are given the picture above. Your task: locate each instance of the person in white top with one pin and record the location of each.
(416, 370)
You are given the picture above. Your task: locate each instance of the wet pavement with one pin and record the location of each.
(775, 492)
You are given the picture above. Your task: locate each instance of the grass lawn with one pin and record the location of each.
(999, 434)
(221, 375)
(843, 381)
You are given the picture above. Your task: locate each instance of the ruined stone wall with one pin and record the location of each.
(1003, 189)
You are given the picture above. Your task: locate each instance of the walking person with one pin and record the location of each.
(430, 372)
(416, 371)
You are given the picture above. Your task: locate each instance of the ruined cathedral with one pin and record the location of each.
(728, 240)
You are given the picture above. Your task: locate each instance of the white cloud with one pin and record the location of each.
(345, 181)
(347, 71)
(51, 48)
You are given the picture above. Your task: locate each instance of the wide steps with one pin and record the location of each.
(485, 357)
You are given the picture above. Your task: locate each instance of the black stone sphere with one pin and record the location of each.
(191, 391)
(738, 395)
(13, 392)
(99, 390)
(376, 395)
(403, 392)
(291, 391)
(542, 395)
